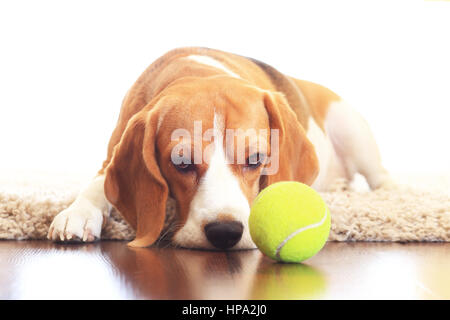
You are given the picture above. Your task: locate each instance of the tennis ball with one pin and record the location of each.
(289, 221)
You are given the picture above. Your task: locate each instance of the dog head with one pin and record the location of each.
(212, 144)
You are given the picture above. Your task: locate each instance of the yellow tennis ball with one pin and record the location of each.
(289, 221)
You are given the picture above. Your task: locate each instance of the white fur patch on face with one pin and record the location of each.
(213, 63)
(218, 193)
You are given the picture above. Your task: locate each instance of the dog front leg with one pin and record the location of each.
(83, 219)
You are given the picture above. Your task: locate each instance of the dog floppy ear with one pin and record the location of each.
(297, 156)
(134, 184)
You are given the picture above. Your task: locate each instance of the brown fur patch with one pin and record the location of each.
(319, 99)
(292, 92)
(225, 217)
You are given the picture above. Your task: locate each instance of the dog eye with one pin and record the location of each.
(255, 161)
(185, 167)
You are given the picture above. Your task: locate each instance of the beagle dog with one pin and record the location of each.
(160, 148)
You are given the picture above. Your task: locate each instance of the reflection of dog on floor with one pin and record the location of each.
(185, 274)
(320, 139)
(188, 274)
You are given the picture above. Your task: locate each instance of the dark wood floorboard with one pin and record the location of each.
(111, 270)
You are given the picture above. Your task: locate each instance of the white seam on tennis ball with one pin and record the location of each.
(296, 232)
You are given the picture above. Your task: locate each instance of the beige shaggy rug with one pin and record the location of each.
(417, 210)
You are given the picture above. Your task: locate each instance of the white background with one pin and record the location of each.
(66, 65)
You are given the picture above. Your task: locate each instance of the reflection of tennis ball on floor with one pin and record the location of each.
(289, 221)
(288, 282)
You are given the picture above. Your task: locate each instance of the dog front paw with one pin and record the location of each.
(82, 221)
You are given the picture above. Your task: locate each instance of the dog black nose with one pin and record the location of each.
(224, 234)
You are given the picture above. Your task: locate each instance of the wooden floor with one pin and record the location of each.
(111, 270)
